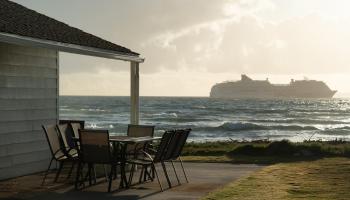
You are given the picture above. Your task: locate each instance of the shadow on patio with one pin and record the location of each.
(203, 177)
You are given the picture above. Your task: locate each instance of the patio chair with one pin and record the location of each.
(135, 149)
(95, 148)
(72, 130)
(175, 148)
(68, 143)
(68, 121)
(56, 150)
(150, 161)
(138, 131)
(75, 127)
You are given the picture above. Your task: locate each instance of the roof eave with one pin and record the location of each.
(70, 48)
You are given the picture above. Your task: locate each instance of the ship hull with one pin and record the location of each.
(239, 95)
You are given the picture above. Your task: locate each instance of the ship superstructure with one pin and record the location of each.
(249, 88)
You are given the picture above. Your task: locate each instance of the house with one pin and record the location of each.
(30, 43)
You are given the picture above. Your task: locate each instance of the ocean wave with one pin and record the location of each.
(178, 120)
(93, 125)
(65, 109)
(92, 109)
(240, 126)
(345, 130)
(163, 114)
(303, 121)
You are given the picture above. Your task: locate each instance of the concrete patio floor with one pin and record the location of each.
(203, 178)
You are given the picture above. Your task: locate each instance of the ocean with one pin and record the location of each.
(215, 119)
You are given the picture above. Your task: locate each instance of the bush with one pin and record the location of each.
(280, 148)
(249, 150)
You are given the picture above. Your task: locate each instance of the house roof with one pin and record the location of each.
(18, 20)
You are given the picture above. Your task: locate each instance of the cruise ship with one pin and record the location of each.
(249, 88)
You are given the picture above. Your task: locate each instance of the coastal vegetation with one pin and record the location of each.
(264, 151)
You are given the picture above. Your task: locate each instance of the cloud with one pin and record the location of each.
(217, 39)
(221, 36)
(157, 29)
(308, 44)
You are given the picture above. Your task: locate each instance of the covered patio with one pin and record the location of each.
(30, 43)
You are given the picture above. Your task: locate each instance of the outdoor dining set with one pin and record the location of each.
(85, 149)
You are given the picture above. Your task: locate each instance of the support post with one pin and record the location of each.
(134, 93)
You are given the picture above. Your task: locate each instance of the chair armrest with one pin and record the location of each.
(147, 155)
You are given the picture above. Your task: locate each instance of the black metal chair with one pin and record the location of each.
(72, 130)
(69, 146)
(95, 148)
(68, 121)
(173, 152)
(75, 128)
(175, 148)
(58, 154)
(138, 131)
(150, 161)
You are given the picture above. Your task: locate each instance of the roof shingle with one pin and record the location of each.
(19, 20)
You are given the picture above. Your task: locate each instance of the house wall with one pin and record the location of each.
(28, 99)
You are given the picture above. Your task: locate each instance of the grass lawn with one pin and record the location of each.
(304, 170)
(326, 178)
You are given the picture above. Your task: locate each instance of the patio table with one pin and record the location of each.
(124, 141)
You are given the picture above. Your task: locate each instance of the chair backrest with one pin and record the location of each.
(68, 121)
(163, 146)
(75, 127)
(173, 144)
(53, 140)
(94, 146)
(140, 130)
(72, 130)
(181, 138)
(65, 134)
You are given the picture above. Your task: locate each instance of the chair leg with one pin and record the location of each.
(131, 174)
(95, 176)
(106, 174)
(59, 171)
(148, 174)
(115, 176)
(47, 171)
(78, 175)
(183, 170)
(110, 178)
(89, 172)
(153, 176)
(156, 173)
(166, 174)
(141, 174)
(172, 163)
(71, 170)
(145, 174)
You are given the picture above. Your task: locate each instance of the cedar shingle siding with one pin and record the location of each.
(19, 20)
(28, 99)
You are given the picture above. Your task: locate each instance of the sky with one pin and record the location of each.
(189, 45)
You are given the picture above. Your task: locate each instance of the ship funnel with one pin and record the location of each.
(245, 78)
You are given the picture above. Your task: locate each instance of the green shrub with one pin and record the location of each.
(280, 148)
